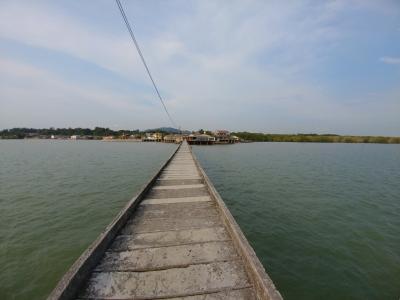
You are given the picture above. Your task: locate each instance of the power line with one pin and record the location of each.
(121, 9)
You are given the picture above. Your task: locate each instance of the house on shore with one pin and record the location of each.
(200, 139)
(224, 137)
(108, 138)
(173, 138)
(152, 137)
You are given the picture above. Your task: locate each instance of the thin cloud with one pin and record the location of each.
(259, 65)
(42, 96)
(390, 60)
(41, 26)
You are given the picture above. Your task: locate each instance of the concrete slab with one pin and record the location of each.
(242, 294)
(178, 181)
(160, 258)
(169, 238)
(175, 187)
(177, 282)
(176, 200)
(177, 193)
(142, 226)
(176, 210)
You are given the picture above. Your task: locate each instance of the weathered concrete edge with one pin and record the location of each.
(72, 281)
(263, 284)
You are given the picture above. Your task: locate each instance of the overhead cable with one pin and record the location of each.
(128, 26)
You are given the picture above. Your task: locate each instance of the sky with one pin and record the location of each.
(265, 66)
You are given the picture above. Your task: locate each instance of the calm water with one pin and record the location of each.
(323, 218)
(55, 199)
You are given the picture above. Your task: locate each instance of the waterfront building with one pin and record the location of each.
(135, 137)
(152, 137)
(172, 138)
(200, 139)
(224, 137)
(108, 138)
(148, 139)
(221, 133)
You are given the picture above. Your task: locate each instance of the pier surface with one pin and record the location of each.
(176, 245)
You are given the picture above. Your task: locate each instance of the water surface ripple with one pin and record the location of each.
(56, 197)
(323, 218)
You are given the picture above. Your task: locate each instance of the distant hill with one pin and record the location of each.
(168, 129)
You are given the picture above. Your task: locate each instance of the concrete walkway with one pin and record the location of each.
(175, 246)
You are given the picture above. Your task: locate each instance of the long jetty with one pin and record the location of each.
(175, 240)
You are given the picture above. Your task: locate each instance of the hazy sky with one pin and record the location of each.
(272, 66)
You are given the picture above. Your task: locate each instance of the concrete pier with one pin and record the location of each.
(179, 242)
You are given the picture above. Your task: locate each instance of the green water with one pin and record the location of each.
(55, 199)
(323, 218)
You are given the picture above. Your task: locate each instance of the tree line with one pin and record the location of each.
(99, 132)
(315, 138)
(21, 133)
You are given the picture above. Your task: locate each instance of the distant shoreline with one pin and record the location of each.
(317, 138)
(106, 134)
(387, 141)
